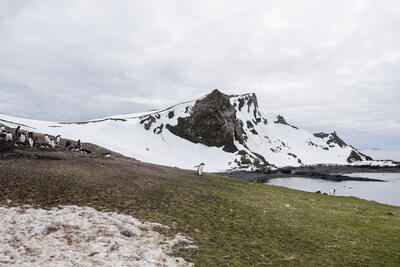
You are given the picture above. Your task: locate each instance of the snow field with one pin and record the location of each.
(82, 236)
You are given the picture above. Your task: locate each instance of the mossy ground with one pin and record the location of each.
(233, 222)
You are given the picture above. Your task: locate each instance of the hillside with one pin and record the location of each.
(232, 222)
(225, 132)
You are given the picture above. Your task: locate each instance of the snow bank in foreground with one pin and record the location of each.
(82, 236)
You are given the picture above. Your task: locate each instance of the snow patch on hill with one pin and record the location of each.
(82, 236)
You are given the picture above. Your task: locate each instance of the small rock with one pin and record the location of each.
(93, 253)
(51, 229)
(127, 233)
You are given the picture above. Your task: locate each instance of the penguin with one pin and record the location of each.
(79, 145)
(8, 137)
(86, 150)
(332, 192)
(17, 131)
(52, 143)
(29, 136)
(2, 129)
(49, 142)
(200, 169)
(44, 146)
(30, 141)
(21, 138)
(58, 139)
(46, 139)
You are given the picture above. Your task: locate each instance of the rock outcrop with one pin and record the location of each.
(213, 122)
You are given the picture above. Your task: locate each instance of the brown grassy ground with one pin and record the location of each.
(234, 223)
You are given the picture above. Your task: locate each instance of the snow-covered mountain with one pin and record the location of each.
(223, 131)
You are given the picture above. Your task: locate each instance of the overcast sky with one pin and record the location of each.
(324, 65)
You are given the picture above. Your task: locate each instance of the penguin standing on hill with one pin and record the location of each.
(29, 135)
(46, 139)
(17, 131)
(52, 143)
(3, 131)
(49, 142)
(21, 138)
(8, 137)
(30, 141)
(79, 144)
(332, 192)
(58, 139)
(200, 168)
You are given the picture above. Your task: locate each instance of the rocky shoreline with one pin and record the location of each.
(330, 173)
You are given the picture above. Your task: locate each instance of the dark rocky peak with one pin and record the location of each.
(321, 135)
(281, 120)
(332, 138)
(247, 100)
(215, 99)
(213, 122)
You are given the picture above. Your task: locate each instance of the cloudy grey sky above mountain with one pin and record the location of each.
(324, 65)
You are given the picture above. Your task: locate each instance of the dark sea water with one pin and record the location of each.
(383, 192)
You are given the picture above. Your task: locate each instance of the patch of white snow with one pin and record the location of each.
(82, 236)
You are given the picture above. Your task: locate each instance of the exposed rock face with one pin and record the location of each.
(281, 120)
(321, 135)
(213, 122)
(332, 138)
(354, 156)
(357, 156)
(235, 124)
(220, 120)
(148, 121)
(337, 140)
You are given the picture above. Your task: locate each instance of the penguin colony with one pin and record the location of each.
(24, 138)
